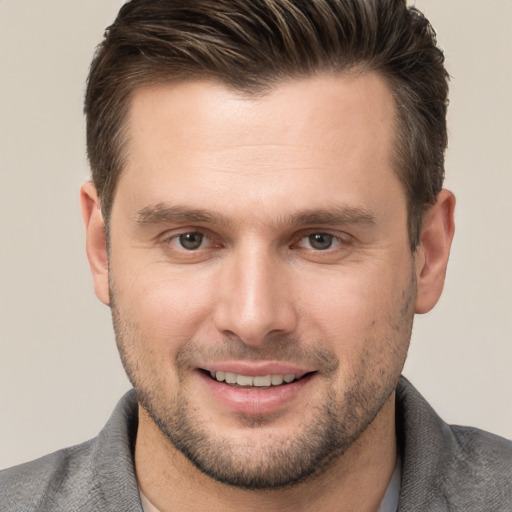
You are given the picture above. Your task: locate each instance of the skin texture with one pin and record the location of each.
(301, 265)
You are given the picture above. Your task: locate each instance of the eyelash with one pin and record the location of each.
(333, 240)
(175, 240)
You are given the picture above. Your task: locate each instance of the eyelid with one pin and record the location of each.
(170, 236)
(341, 237)
(213, 241)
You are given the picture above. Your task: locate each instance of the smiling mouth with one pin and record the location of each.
(260, 381)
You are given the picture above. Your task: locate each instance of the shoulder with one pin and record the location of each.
(476, 471)
(36, 485)
(449, 467)
(93, 476)
(485, 457)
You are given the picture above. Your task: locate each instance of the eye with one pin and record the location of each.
(319, 241)
(190, 241)
(182, 246)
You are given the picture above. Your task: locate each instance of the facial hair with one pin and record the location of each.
(276, 461)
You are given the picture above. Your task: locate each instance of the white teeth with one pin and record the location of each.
(263, 381)
(277, 380)
(230, 378)
(243, 380)
(259, 381)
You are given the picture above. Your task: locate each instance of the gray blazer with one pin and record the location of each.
(445, 468)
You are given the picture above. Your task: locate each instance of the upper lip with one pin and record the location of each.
(256, 369)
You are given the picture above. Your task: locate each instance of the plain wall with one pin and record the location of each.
(59, 371)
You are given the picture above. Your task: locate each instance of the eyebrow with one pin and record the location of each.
(163, 213)
(335, 216)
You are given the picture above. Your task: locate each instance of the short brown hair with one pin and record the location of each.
(251, 45)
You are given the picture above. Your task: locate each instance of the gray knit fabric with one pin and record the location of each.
(95, 476)
(445, 468)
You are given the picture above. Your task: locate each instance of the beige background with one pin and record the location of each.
(59, 370)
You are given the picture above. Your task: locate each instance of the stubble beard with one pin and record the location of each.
(276, 461)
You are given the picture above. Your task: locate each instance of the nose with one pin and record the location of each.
(255, 298)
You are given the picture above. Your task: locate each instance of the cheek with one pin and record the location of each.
(357, 312)
(165, 308)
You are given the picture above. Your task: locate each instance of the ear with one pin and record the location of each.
(96, 240)
(431, 256)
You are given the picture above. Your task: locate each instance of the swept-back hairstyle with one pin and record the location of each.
(252, 45)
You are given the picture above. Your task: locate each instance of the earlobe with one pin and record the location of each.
(96, 240)
(432, 254)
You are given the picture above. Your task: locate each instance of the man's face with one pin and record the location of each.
(257, 241)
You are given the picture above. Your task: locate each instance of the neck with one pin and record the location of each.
(357, 480)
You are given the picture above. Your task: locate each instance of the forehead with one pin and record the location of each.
(300, 137)
(321, 103)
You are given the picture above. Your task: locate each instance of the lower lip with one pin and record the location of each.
(255, 401)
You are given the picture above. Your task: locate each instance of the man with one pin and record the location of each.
(266, 215)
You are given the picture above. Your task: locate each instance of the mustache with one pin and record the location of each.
(275, 348)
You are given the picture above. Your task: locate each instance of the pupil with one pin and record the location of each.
(320, 241)
(191, 241)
